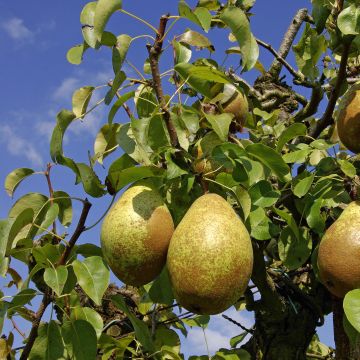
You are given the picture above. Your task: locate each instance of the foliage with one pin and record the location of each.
(284, 173)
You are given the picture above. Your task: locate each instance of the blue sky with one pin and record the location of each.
(37, 81)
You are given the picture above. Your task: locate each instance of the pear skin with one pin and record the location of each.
(210, 257)
(135, 235)
(348, 120)
(339, 252)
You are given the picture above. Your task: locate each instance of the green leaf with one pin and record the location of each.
(188, 74)
(297, 156)
(119, 51)
(348, 20)
(108, 39)
(182, 52)
(121, 178)
(244, 200)
(5, 226)
(145, 101)
(56, 278)
(220, 124)
(63, 119)
(80, 339)
(262, 194)
(126, 139)
(347, 168)
(104, 9)
(93, 277)
(157, 133)
(141, 330)
(87, 250)
(204, 17)
(186, 12)
(14, 179)
(118, 80)
(302, 183)
(87, 21)
(308, 51)
(22, 298)
(208, 73)
(352, 334)
(90, 181)
(89, 315)
(75, 54)
(236, 340)
(161, 290)
(293, 251)
(49, 215)
(173, 170)
(290, 133)
(196, 39)
(80, 100)
(237, 21)
(63, 200)
(48, 344)
(289, 220)
(22, 220)
(314, 218)
(270, 158)
(105, 142)
(198, 321)
(352, 308)
(118, 104)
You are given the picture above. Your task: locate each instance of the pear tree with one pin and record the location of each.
(284, 163)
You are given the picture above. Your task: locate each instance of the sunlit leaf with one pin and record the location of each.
(56, 278)
(104, 9)
(93, 276)
(14, 179)
(80, 100)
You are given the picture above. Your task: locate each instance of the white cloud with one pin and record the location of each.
(18, 146)
(218, 333)
(66, 88)
(45, 128)
(17, 30)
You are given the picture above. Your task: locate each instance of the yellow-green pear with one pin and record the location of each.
(135, 235)
(210, 257)
(348, 119)
(339, 252)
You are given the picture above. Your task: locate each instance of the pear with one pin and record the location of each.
(210, 257)
(135, 235)
(339, 252)
(235, 102)
(348, 119)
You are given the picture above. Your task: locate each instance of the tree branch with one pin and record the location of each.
(287, 41)
(154, 54)
(312, 107)
(327, 118)
(47, 298)
(79, 229)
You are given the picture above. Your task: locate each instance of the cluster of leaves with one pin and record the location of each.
(286, 186)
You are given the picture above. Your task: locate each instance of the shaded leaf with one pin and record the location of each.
(196, 39)
(63, 200)
(161, 289)
(290, 133)
(118, 104)
(352, 308)
(75, 54)
(105, 142)
(141, 330)
(80, 339)
(89, 315)
(220, 124)
(270, 158)
(90, 181)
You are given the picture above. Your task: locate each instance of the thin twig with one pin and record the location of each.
(51, 193)
(47, 298)
(327, 118)
(154, 54)
(250, 331)
(17, 328)
(281, 60)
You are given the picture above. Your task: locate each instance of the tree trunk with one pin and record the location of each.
(344, 350)
(285, 338)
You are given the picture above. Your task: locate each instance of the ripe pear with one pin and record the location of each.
(348, 120)
(210, 257)
(135, 235)
(339, 252)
